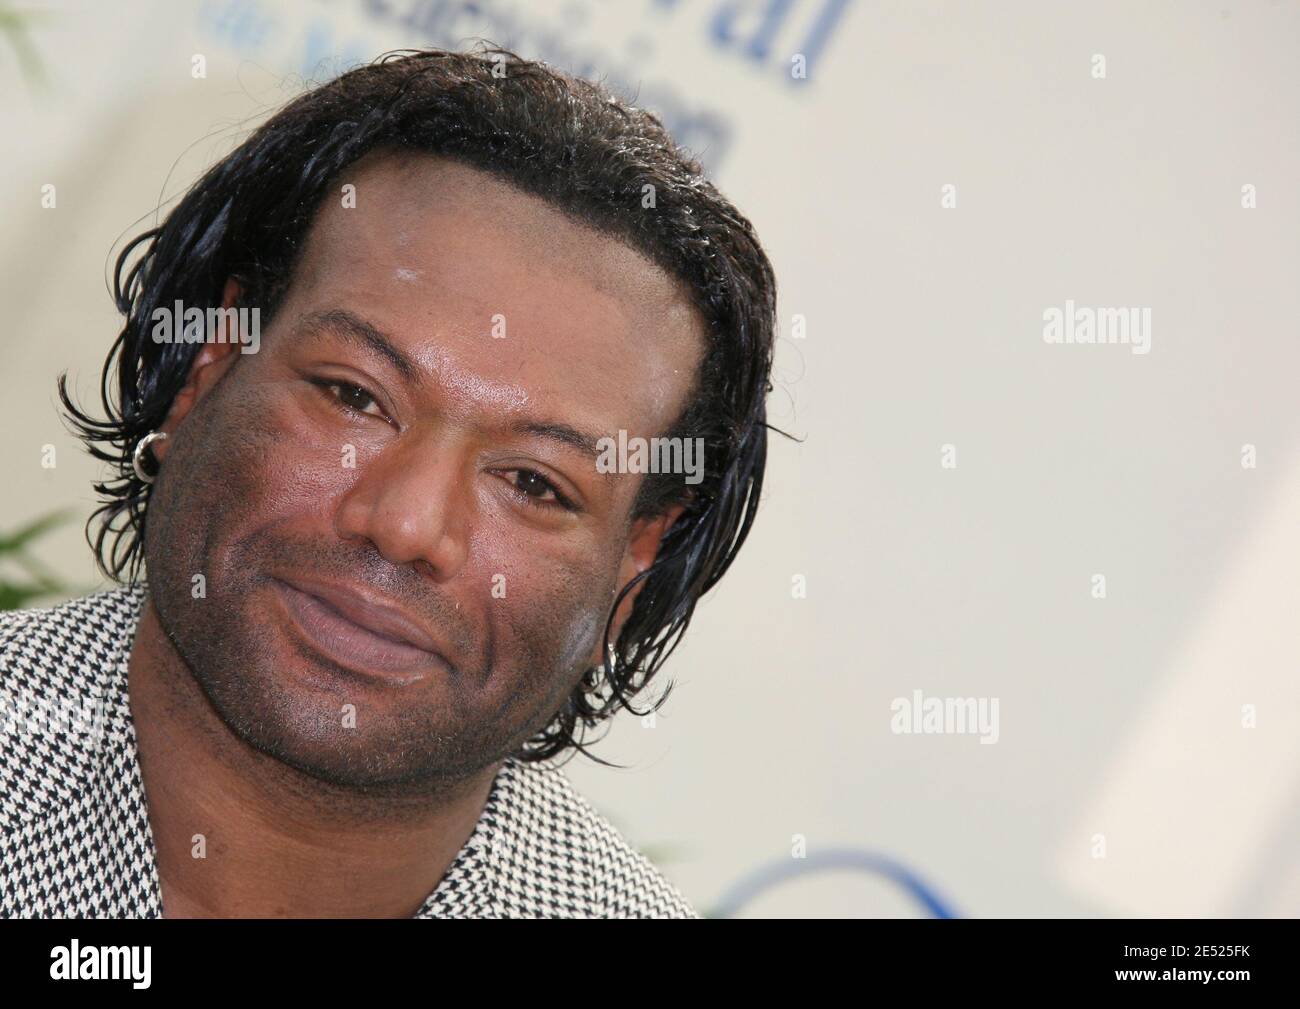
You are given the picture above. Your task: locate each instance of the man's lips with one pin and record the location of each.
(359, 633)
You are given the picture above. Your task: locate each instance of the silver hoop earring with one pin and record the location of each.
(137, 457)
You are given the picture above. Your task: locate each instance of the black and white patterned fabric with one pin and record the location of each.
(75, 840)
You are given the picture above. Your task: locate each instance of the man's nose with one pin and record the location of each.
(413, 500)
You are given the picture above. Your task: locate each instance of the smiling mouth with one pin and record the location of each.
(356, 648)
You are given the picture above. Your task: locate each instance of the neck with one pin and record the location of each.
(241, 834)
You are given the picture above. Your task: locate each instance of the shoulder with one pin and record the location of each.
(582, 862)
(58, 675)
(68, 651)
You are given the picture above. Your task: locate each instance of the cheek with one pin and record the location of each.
(245, 459)
(585, 630)
(546, 639)
(283, 464)
(552, 606)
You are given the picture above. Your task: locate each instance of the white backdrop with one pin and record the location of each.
(1147, 758)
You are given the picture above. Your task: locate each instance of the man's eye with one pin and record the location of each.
(537, 490)
(353, 397)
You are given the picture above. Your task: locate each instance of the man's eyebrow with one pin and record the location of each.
(354, 329)
(586, 443)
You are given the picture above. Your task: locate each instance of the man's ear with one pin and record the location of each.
(643, 547)
(215, 356)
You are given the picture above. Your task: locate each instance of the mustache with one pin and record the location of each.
(364, 567)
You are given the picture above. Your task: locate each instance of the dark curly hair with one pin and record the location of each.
(563, 139)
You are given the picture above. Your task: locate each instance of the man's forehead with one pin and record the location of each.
(430, 214)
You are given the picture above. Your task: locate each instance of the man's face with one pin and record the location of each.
(408, 557)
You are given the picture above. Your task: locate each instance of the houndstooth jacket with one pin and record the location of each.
(75, 840)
